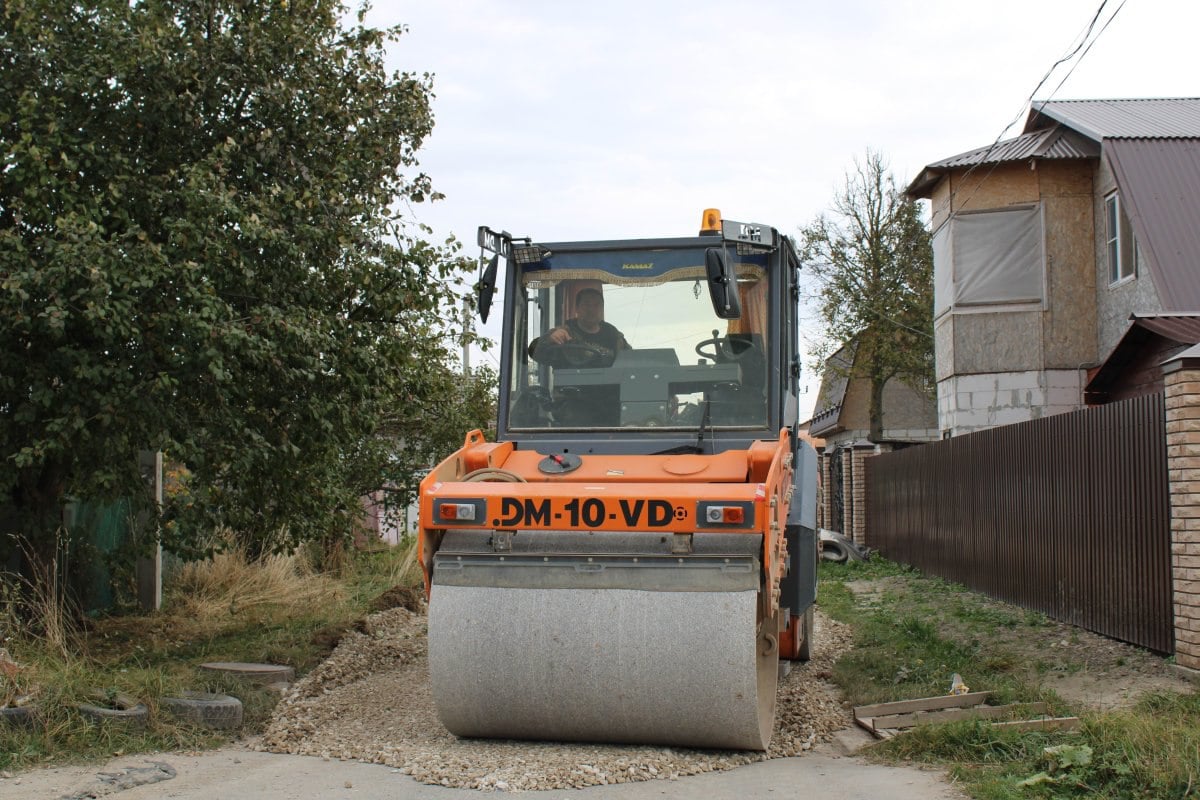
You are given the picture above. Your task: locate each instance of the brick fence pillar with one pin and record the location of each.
(1181, 379)
(823, 513)
(856, 496)
(846, 454)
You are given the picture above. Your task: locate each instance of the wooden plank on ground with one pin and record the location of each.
(955, 714)
(922, 704)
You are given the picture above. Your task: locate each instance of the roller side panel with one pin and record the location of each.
(798, 589)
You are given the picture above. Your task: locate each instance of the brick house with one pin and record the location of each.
(1066, 260)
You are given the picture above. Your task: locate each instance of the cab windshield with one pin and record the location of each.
(622, 339)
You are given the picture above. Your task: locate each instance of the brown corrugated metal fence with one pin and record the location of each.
(1067, 515)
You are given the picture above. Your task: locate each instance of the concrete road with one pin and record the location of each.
(237, 773)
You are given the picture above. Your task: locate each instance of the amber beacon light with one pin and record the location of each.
(710, 222)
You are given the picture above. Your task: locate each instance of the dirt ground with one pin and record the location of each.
(1084, 668)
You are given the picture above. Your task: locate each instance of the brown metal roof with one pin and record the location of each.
(1159, 180)
(1181, 328)
(1054, 142)
(827, 411)
(1104, 119)
(1073, 129)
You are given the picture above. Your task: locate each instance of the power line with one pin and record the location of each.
(878, 314)
(1083, 40)
(1089, 47)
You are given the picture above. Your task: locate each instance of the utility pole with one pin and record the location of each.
(466, 337)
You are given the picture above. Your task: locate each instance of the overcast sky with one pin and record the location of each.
(593, 120)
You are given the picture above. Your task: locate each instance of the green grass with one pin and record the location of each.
(916, 632)
(153, 655)
(1151, 751)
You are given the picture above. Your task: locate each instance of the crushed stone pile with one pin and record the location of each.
(371, 701)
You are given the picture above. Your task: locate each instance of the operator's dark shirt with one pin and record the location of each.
(607, 340)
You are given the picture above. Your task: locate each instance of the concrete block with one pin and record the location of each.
(1063, 396)
(1063, 379)
(849, 741)
(979, 383)
(1035, 397)
(1010, 416)
(1018, 380)
(1190, 671)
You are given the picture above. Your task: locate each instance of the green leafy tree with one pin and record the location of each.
(873, 263)
(420, 440)
(199, 253)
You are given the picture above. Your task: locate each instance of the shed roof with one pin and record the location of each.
(1181, 328)
(1160, 192)
(1105, 119)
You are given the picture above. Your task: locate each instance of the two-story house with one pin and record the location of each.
(1066, 260)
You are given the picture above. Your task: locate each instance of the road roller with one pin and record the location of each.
(632, 557)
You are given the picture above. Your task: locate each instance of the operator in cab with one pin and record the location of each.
(584, 340)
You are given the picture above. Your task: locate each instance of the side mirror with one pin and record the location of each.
(487, 288)
(722, 286)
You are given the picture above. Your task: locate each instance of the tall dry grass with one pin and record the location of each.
(38, 606)
(231, 583)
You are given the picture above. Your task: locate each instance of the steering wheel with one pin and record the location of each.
(570, 354)
(724, 349)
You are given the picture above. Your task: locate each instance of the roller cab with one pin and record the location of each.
(632, 556)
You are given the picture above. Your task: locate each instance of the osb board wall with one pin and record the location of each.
(1009, 341)
(943, 346)
(1061, 334)
(1069, 323)
(985, 188)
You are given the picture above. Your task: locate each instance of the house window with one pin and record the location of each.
(1122, 246)
(989, 258)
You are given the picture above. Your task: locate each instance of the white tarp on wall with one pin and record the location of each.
(989, 257)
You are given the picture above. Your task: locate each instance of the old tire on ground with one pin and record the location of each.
(834, 551)
(220, 711)
(18, 716)
(119, 708)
